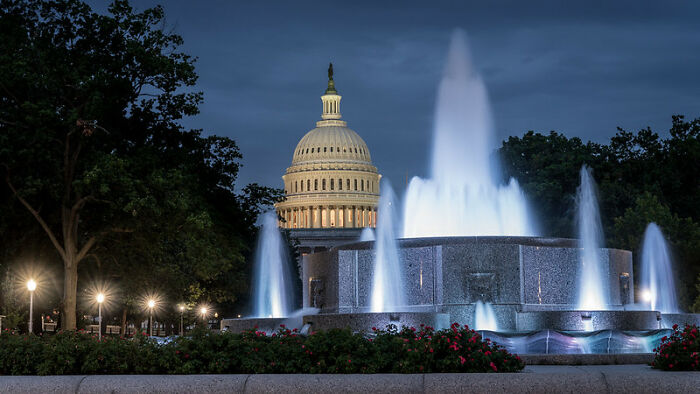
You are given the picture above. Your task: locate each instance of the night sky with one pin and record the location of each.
(579, 69)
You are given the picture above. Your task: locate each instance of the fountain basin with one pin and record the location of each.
(588, 320)
(267, 324)
(365, 321)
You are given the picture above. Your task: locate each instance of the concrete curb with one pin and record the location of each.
(534, 379)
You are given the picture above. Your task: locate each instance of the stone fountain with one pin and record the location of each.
(468, 252)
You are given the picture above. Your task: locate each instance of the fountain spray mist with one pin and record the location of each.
(463, 196)
(593, 282)
(388, 294)
(272, 279)
(657, 271)
(485, 317)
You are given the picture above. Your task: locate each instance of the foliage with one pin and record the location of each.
(95, 167)
(457, 349)
(680, 351)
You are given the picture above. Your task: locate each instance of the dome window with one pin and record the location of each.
(308, 185)
(323, 184)
(307, 150)
(355, 150)
(331, 149)
(355, 184)
(312, 150)
(340, 184)
(315, 184)
(324, 149)
(362, 184)
(348, 184)
(332, 182)
(345, 150)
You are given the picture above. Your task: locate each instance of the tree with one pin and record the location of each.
(682, 233)
(91, 148)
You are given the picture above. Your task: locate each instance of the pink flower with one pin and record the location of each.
(462, 360)
(493, 366)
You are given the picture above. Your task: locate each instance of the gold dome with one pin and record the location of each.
(331, 143)
(331, 182)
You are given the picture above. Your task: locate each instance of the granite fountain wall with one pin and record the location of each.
(448, 275)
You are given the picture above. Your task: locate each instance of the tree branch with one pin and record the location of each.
(91, 242)
(34, 213)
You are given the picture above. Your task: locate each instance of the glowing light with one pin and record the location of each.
(203, 311)
(182, 308)
(151, 304)
(31, 285)
(100, 298)
(646, 296)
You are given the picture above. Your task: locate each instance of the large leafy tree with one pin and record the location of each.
(91, 148)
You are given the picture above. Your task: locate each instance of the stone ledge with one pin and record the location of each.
(534, 379)
(587, 359)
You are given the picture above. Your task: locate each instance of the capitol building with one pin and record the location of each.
(331, 188)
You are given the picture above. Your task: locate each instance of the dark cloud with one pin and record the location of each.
(582, 68)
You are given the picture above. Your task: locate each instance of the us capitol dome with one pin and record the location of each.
(331, 184)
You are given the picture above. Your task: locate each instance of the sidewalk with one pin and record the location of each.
(534, 379)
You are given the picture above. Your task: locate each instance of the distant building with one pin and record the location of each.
(331, 188)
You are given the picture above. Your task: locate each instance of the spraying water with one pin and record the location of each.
(387, 286)
(272, 278)
(463, 197)
(593, 279)
(367, 234)
(657, 272)
(484, 317)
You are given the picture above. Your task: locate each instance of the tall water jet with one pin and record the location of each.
(657, 271)
(593, 285)
(367, 234)
(272, 279)
(387, 285)
(484, 317)
(462, 196)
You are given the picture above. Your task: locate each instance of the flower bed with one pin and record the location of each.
(457, 349)
(680, 351)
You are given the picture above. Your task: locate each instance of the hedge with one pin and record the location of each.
(457, 349)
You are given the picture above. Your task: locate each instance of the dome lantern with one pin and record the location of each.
(331, 99)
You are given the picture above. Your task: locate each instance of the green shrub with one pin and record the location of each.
(680, 351)
(457, 349)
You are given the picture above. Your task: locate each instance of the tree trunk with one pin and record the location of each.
(123, 328)
(70, 289)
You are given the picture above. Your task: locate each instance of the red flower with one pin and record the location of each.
(493, 366)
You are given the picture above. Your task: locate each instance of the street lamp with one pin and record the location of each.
(31, 286)
(151, 304)
(182, 327)
(100, 300)
(203, 311)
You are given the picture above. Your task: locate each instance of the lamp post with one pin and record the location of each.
(182, 327)
(151, 304)
(203, 311)
(31, 286)
(100, 300)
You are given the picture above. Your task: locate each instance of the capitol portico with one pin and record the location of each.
(331, 183)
